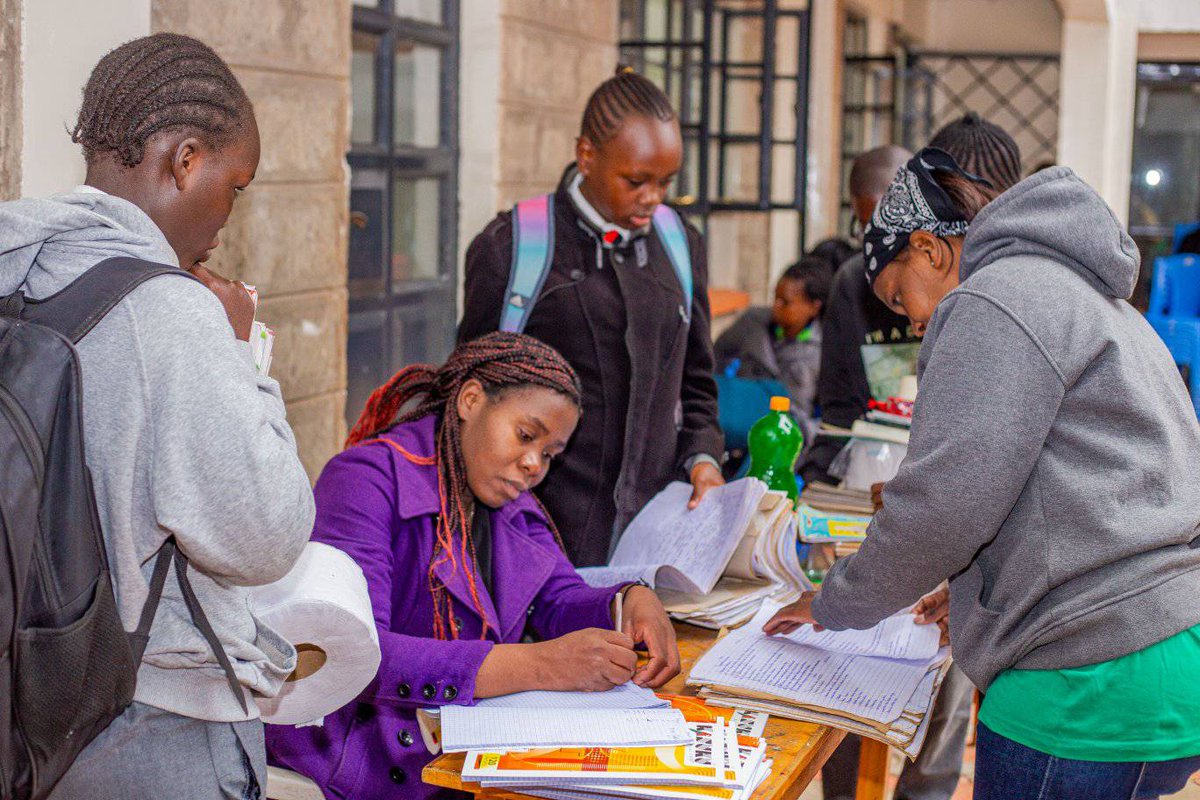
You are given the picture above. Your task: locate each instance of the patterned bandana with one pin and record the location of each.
(914, 202)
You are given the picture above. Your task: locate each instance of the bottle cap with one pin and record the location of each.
(781, 404)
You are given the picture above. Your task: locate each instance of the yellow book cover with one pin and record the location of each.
(703, 762)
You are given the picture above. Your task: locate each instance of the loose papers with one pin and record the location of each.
(474, 728)
(888, 695)
(685, 550)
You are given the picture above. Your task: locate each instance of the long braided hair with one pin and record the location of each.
(624, 95)
(166, 81)
(501, 362)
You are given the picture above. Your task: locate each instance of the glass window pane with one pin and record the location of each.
(783, 174)
(1165, 185)
(366, 359)
(367, 231)
(423, 331)
(424, 10)
(366, 3)
(741, 173)
(417, 108)
(362, 88)
(415, 229)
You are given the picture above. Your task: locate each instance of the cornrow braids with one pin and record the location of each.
(981, 148)
(501, 362)
(161, 82)
(624, 95)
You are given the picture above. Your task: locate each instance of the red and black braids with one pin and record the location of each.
(500, 362)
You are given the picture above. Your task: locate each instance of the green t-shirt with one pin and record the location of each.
(1144, 706)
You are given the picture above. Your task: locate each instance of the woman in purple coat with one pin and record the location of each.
(461, 561)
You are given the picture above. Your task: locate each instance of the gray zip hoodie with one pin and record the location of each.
(181, 439)
(1054, 469)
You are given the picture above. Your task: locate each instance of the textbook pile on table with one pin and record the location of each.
(723, 757)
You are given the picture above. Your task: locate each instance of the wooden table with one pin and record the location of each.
(799, 749)
(727, 301)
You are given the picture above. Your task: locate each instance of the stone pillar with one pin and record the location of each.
(10, 99)
(288, 232)
(1096, 97)
(553, 54)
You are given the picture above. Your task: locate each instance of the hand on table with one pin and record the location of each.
(239, 307)
(934, 609)
(792, 616)
(877, 496)
(645, 620)
(704, 477)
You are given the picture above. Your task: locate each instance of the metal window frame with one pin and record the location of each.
(712, 127)
(394, 162)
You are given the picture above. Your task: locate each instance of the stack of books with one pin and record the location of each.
(724, 758)
(712, 566)
(880, 683)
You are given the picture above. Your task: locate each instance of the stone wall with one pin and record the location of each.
(10, 99)
(288, 232)
(553, 54)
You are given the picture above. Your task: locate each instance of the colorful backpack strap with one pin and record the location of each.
(533, 250)
(673, 236)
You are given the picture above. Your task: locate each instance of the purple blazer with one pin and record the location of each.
(381, 510)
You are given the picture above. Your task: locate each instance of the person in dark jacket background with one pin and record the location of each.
(613, 305)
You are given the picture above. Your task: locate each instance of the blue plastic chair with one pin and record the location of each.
(1174, 313)
(1182, 231)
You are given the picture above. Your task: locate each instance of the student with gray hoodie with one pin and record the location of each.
(1053, 476)
(182, 439)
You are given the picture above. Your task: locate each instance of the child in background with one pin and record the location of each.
(783, 342)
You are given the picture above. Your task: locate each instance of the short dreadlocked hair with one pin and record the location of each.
(157, 83)
(501, 362)
(624, 95)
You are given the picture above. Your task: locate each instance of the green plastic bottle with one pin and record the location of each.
(775, 444)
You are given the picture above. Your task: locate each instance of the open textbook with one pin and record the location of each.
(715, 564)
(879, 683)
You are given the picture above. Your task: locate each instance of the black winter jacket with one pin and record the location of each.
(649, 398)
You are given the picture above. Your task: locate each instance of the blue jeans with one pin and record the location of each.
(1006, 770)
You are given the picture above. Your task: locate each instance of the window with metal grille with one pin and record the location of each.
(738, 77)
(1017, 91)
(403, 189)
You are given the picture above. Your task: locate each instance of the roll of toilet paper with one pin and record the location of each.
(323, 609)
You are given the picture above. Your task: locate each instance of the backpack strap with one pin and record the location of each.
(533, 252)
(74, 310)
(669, 227)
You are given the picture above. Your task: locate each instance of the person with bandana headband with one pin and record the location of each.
(1052, 477)
(614, 305)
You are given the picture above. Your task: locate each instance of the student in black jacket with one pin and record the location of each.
(613, 305)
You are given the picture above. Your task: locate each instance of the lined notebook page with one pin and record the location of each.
(465, 728)
(897, 636)
(627, 695)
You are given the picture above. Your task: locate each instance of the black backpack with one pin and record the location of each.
(67, 668)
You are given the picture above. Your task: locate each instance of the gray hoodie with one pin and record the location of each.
(1054, 469)
(181, 439)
